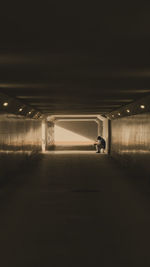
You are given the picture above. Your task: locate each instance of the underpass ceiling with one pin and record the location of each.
(66, 58)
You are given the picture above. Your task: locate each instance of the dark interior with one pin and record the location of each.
(61, 60)
(75, 58)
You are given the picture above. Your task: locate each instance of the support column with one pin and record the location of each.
(99, 127)
(50, 135)
(105, 133)
(44, 135)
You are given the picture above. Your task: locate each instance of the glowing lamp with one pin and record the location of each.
(5, 104)
(142, 106)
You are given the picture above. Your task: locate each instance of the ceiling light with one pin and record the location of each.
(5, 104)
(20, 109)
(119, 114)
(128, 110)
(29, 112)
(142, 106)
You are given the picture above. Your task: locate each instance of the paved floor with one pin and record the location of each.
(74, 210)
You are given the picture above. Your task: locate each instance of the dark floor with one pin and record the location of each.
(74, 210)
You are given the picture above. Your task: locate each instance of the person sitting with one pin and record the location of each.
(101, 144)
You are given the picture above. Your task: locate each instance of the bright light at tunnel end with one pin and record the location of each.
(66, 137)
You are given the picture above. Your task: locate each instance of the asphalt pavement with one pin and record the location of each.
(74, 209)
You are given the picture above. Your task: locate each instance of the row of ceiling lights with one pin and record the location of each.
(128, 111)
(5, 104)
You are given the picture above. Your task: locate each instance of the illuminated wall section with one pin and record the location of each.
(19, 134)
(130, 142)
(66, 137)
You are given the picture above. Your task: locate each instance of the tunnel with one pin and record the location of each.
(71, 72)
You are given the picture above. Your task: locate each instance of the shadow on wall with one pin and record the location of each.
(76, 134)
(87, 129)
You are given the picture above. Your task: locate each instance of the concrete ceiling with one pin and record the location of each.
(75, 58)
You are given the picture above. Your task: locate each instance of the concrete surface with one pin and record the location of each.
(75, 210)
(130, 141)
(19, 134)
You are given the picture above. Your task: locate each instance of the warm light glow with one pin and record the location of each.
(37, 114)
(119, 114)
(43, 136)
(5, 104)
(66, 137)
(128, 110)
(142, 106)
(29, 112)
(15, 152)
(88, 152)
(113, 116)
(20, 109)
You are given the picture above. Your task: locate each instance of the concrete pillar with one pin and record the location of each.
(50, 135)
(105, 133)
(98, 128)
(44, 135)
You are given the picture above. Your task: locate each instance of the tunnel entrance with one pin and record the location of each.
(74, 132)
(75, 135)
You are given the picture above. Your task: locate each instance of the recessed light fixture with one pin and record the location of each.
(20, 109)
(119, 114)
(29, 112)
(128, 110)
(5, 104)
(142, 106)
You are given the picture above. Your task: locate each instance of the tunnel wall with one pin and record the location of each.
(20, 140)
(75, 135)
(19, 134)
(86, 129)
(130, 142)
(50, 136)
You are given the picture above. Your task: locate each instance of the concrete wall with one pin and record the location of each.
(130, 141)
(50, 142)
(19, 134)
(20, 139)
(75, 135)
(86, 129)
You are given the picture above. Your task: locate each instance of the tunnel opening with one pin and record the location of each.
(74, 132)
(75, 135)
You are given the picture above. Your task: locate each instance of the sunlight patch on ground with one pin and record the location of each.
(72, 152)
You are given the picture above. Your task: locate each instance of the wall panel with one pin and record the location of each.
(130, 141)
(17, 133)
